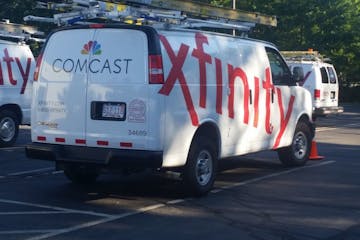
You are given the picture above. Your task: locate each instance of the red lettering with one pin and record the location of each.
(256, 101)
(8, 61)
(305, 78)
(269, 88)
(219, 88)
(24, 74)
(203, 58)
(176, 73)
(283, 121)
(233, 74)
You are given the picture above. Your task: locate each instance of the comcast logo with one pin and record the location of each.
(91, 47)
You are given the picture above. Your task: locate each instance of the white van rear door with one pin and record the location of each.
(117, 91)
(332, 101)
(59, 111)
(327, 93)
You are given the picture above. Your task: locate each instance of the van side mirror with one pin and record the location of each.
(298, 74)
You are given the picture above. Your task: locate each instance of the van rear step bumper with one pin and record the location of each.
(108, 157)
(323, 111)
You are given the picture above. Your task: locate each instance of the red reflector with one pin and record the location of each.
(61, 140)
(126, 144)
(317, 94)
(37, 68)
(156, 74)
(102, 143)
(41, 138)
(96, 25)
(80, 141)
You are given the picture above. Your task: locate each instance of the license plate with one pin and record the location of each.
(110, 110)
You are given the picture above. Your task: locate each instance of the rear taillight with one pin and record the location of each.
(156, 74)
(37, 69)
(316, 94)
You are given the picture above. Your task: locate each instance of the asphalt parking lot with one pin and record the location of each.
(254, 197)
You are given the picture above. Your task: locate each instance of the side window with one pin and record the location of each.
(332, 75)
(324, 76)
(280, 72)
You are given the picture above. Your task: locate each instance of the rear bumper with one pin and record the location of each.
(107, 157)
(323, 111)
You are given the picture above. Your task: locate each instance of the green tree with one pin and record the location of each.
(15, 10)
(329, 26)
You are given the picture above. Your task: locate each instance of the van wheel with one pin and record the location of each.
(81, 174)
(200, 170)
(9, 128)
(297, 154)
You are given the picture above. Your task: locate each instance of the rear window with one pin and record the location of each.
(332, 75)
(324, 76)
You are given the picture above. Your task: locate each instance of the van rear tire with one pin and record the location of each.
(297, 154)
(9, 128)
(81, 174)
(201, 167)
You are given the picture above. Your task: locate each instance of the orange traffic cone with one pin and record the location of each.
(314, 152)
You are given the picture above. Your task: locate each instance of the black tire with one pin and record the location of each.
(201, 167)
(297, 154)
(9, 128)
(81, 174)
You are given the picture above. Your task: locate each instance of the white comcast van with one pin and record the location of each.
(133, 97)
(17, 66)
(320, 79)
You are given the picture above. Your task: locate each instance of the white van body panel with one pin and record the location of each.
(16, 72)
(209, 79)
(238, 136)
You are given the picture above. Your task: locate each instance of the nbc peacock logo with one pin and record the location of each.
(91, 47)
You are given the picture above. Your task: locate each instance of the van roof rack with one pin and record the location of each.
(19, 32)
(309, 55)
(183, 14)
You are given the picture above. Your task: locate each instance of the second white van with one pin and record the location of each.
(17, 66)
(320, 78)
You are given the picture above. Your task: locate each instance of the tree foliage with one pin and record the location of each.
(329, 26)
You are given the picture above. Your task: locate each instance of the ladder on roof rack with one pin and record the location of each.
(172, 12)
(197, 9)
(309, 55)
(19, 32)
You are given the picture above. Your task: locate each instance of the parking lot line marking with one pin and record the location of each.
(321, 129)
(176, 201)
(97, 222)
(27, 231)
(216, 190)
(12, 148)
(34, 212)
(30, 171)
(72, 229)
(56, 208)
(156, 206)
(254, 180)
